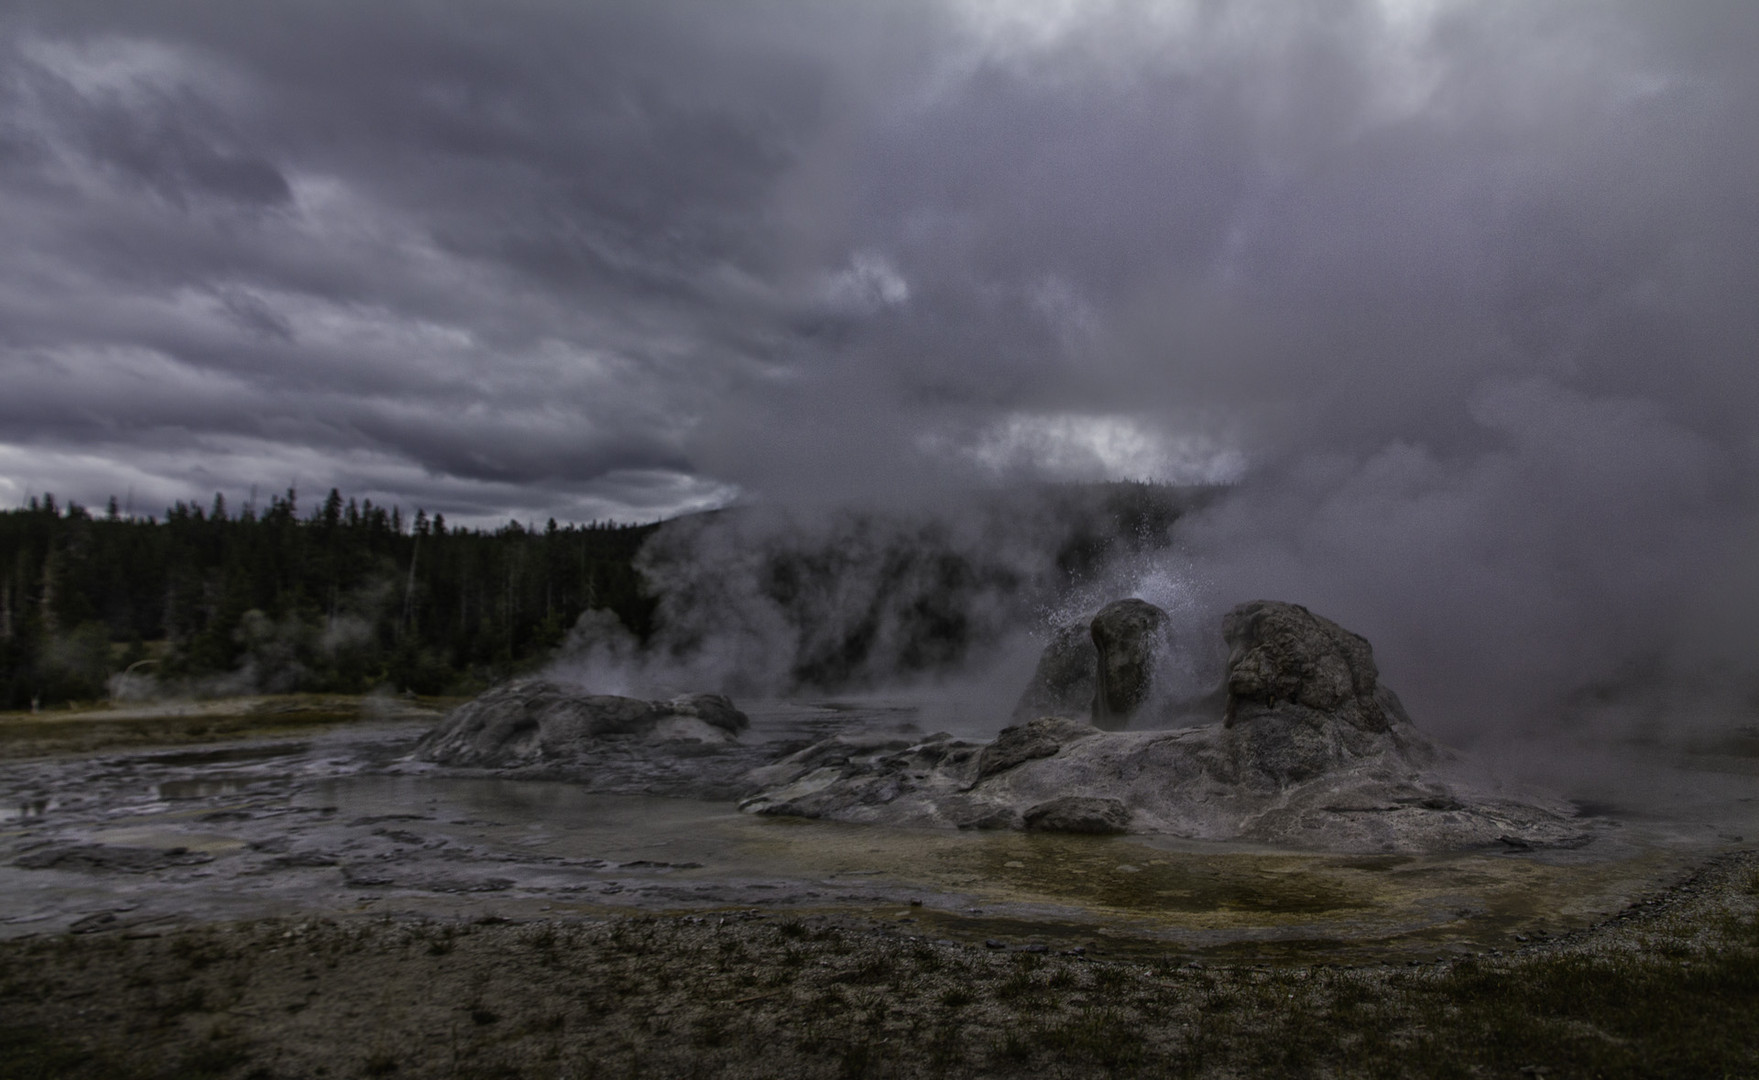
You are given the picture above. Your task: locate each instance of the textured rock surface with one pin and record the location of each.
(1063, 682)
(1284, 655)
(1128, 638)
(537, 721)
(876, 778)
(1079, 814)
(1021, 743)
(1313, 753)
(1304, 696)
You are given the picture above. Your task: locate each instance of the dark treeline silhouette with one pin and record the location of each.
(349, 597)
(354, 597)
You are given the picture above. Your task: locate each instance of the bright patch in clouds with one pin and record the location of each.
(1072, 446)
(870, 282)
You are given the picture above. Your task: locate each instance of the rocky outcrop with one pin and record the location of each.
(1100, 669)
(1312, 752)
(1063, 683)
(537, 721)
(1284, 656)
(878, 778)
(1128, 638)
(1079, 814)
(1023, 742)
(1304, 697)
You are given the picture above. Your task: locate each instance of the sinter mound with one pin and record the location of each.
(522, 722)
(540, 729)
(1103, 668)
(1311, 752)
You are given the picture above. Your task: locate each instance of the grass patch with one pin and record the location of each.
(30, 1053)
(1661, 995)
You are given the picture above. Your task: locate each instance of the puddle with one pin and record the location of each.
(1135, 892)
(1091, 874)
(552, 816)
(25, 811)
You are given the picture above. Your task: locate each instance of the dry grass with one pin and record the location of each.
(1671, 990)
(97, 726)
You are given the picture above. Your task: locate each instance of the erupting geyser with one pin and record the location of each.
(1128, 636)
(1310, 751)
(1307, 749)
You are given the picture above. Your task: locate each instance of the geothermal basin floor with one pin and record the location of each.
(338, 821)
(303, 900)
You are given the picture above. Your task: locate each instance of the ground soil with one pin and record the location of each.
(370, 978)
(1668, 988)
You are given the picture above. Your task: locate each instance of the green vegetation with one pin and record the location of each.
(345, 599)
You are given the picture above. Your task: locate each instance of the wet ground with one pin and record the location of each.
(333, 818)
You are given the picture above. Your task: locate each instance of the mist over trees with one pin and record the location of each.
(351, 597)
(348, 597)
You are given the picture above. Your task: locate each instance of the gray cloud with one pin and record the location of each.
(1461, 290)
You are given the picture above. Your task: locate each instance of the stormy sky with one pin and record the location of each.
(1461, 295)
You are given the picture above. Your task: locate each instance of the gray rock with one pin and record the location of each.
(1314, 753)
(1063, 682)
(1128, 638)
(1304, 696)
(992, 818)
(715, 710)
(1284, 654)
(534, 721)
(1079, 814)
(1024, 742)
(109, 857)
(871, 778)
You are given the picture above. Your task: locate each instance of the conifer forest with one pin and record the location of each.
(347, 597)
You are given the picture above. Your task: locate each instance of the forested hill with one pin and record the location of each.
(345, 598)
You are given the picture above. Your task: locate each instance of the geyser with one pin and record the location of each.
(1310, 751)
(1102, 668)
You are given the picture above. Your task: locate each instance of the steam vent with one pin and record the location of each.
(1307, 750)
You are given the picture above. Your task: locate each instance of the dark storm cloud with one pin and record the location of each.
(1460, 291)
(166, 150)
(506, 247)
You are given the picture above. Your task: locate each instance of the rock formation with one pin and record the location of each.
(1311, 752)
(537, 722)
(1079, 814)
(1100, 669)
(1023, 742)
(1063, 683)
(1128, 638)
(1304, 696)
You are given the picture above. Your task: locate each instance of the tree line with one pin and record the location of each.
(346, 598)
